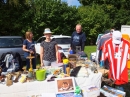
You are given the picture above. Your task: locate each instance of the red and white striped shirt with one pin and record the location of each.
(117, 56)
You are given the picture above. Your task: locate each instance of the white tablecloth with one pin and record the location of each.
(39, 87)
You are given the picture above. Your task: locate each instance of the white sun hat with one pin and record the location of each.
(116, 36)
(47, 31)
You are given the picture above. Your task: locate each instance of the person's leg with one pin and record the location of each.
(46, 63)
(34, 63)
(27, 64)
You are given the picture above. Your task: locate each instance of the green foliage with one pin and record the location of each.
(96, 16)
(99, 15)
(18, 2)
(14, 19)
(92, 21)
(118, 4)
(41, 14)
(57, 16)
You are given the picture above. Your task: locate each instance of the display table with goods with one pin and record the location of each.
(53, 80)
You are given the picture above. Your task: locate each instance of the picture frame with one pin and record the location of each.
(64, 85)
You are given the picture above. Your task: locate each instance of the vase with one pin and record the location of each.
(30, 74)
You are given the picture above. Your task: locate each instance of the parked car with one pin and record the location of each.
(11, 44)
(62, 41)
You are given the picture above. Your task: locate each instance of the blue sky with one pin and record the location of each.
(72, 2)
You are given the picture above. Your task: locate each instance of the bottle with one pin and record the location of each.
(71, 51)
(77, 92)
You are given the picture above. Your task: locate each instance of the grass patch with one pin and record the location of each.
(89, 49)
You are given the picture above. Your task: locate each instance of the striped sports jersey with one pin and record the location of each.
(117, 56)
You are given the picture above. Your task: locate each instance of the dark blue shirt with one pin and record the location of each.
(78, 39)
(29, 46)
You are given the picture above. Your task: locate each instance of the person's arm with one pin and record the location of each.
(83, 42)
(25, 46)
(24, 49)
(56, 47)
(82, 46)
(41, 55)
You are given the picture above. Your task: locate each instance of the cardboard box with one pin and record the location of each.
(72, 57)
(91, 91)
(111, 92)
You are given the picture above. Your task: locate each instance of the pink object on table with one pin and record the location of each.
(56, 64)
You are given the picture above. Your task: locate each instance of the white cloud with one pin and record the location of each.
(70, 2)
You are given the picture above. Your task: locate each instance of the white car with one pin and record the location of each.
(63, 42)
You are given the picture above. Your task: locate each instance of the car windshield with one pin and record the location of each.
(10, 42)
(63, 40)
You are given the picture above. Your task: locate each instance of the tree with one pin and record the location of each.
(94, 21)
(17, 2)
(14, 19)
(118, 4)
(56, 15)
(117, 12)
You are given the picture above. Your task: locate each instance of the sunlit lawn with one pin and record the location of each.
(89, 49)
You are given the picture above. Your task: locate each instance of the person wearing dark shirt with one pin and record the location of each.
(48, 50)
(78, 39)
(29, 48)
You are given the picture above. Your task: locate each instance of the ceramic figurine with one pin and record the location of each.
(9, 81)
(30, 73)
(77, 92)
(68, 70)
(2, 78)
(23, 78)
(30, 57)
